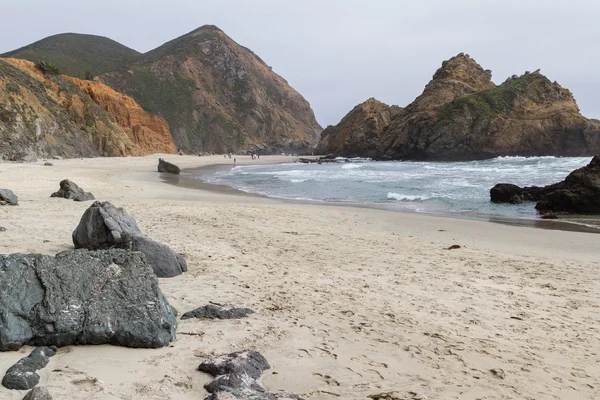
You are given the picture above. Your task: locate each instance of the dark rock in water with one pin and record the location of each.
(579, 193)
(82, 297)
(236, 377)
(48, 164)
(165, 166)
(211, 311)
(7, 196)
(22, 375)
(70, 190)
(549, 216)
(104, 226)
(38, 393)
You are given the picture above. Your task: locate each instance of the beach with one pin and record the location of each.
(350, 302)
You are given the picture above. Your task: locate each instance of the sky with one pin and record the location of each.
(338, 53)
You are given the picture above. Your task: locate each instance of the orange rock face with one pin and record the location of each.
(148, 131)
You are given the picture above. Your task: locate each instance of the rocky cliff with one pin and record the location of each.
(218, 96)
(359, 133)
(44, 115)
(463, 115)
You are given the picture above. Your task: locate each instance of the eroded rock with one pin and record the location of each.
(165, 166)
(7, 196)
(104, 226)
(22, 375)
(82, 297)
(211, 311)
(70, 190)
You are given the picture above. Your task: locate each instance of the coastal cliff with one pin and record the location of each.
(218, 96)
(48, 114)
(463, 115)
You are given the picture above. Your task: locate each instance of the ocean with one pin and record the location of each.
(443, 188)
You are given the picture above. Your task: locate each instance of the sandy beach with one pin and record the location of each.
(349, 302)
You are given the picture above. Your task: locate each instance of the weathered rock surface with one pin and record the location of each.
(70, 190)
(236, 377)
(44, 115)
(22, 375)
(38, 393)
(104, 226)
(211, 311)
(463, 115)
(7, 196)
(165, 166)
(82, 297)
(359, 133)
(218, 96)
(579, 193)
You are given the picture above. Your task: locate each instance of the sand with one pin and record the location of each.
(350, 302)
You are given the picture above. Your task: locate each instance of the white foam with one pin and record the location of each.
(352, 166)
(405, 197)
(298, 180)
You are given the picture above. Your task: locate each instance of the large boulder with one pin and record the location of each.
(7, 196)
(70, 190)
(82, 297)
(236, 376)
(22, 375)
(104, 226)
(165, 166)
(579, 193)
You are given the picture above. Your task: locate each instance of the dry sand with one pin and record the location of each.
(350, 302)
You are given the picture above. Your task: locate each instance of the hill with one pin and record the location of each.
(44, 115)
(463, 115)
(77, 54)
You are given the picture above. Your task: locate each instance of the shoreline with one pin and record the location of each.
(186, 180)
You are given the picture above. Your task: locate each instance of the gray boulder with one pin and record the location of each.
(38, 393)
(236, 377)
(104, 226)
(22, 375)
(211, 311)
(7, 196)
(48, 164)
(165, 166)
(70, 190)
(82, 297)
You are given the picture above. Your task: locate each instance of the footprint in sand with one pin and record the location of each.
(327, 379)
(365, 360)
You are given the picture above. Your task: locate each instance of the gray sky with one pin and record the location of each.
(338, 53)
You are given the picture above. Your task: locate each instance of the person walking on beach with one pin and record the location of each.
(234, 160)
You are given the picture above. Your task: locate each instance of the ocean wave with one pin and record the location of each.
(405, 197)
(298, 180)
(352, 166)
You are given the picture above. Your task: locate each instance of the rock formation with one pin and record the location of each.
(7, 196)
(22, 375)
(463, 115)
(218, 96)
(103, 226)
(82, 297)
(579, 193)
(359, 133)
(46, 115)
(165, 166)
(236, 377)
(70, 190)
(38, 393)
(211, 311)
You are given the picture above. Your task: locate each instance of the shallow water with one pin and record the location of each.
(455, 188)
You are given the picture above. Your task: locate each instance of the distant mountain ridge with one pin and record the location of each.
(216, 95)
(463, 115)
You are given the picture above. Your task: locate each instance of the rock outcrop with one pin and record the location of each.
(218, 96)
(579, 193)
(236, 377)
(463, 115)
(82, 297)
(9, 197)
(70, 190)
(103, 226)
(165, 166)
(23, 375)
(211, 311)
(359, 133)
(45, 115)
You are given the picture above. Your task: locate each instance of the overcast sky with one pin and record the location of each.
(338, 53)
